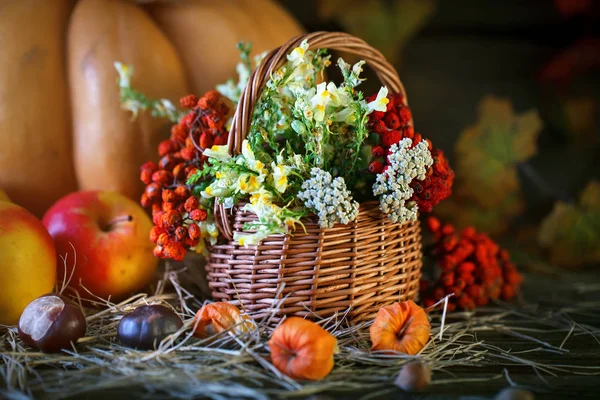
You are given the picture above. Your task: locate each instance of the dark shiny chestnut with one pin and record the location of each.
(50, 324)
(146, 326)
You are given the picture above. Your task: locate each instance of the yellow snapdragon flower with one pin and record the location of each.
(380, 103)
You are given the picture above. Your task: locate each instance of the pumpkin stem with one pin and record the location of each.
(400, 333)
(288, 353)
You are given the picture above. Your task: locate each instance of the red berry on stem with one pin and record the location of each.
(375, 167)
(198, 215)
(377, 151)
(189, 101)
(194, 231)
(391, 137)
(191, 204)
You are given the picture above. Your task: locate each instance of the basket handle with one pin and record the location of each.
(274, 59)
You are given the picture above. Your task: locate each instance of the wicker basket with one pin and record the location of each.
(355, 268)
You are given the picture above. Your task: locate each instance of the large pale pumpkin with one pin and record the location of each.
(205, 33)
(109, 146)
(50, 146)
(36, 166)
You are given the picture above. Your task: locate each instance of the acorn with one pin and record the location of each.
(414, 377)
(51, 324)
(511, 393)
(147, 326)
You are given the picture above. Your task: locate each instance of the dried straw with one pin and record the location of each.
(239, 366)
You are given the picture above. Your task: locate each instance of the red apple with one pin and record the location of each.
(109, 233)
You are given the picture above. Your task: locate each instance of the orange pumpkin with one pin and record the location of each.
(302, 349)
(61, 48)
(400, 327)
(215, 318)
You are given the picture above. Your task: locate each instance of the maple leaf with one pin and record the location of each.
(487, 153)
(387, 26)
(571, 232)
(487, 190)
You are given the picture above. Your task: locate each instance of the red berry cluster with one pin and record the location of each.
(473, 267)
(393, 126)
(437, 185)
(175, 210)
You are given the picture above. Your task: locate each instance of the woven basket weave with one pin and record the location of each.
(355, 268)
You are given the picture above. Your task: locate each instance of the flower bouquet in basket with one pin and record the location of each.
(308, 194)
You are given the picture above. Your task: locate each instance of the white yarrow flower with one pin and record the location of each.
(329, 198)
(393, 185)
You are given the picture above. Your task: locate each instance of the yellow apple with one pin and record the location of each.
(27, 261)
(3, 196)
(105, 236)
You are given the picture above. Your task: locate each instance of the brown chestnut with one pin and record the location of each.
(511, 393)
(414, 377)
(146, 326)
(51, 324)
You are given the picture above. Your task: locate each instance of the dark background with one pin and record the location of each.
(464, 50)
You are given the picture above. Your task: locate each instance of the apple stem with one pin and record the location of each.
(118, 220)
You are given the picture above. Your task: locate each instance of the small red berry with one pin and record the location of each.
(168, 195)
(162, 177)
(198, 215)
(191, 204)
(194, 231)
(181, 192)
(433, 224)
(153, 191)
(188, 154)
(181, 233)
(377, 151)
(189, 101)
(390, 138)
(168, 206)
(392, 121)
(163, 239)
(155, 232)
(405, 115)
(206, 140)
(375, 167)
(146, 171)
(171, 218)
(167, 146)
(220, 140)
(145, 201)
(379, 126)
(447, 279)
(447, 230)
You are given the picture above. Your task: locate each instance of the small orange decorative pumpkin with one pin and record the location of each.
(302, 349)
(215, 318)
(401, 327)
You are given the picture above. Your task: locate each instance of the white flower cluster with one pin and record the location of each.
(329, 198)
(393, 184)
